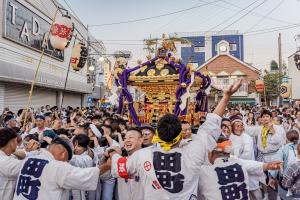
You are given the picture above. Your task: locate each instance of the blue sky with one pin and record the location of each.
(259, 49)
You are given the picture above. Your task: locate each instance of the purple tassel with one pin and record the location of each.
(201, 98)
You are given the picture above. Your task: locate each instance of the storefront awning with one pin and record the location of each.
(242, 101)
(10, 72)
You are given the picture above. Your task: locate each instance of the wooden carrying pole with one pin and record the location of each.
(36, 71)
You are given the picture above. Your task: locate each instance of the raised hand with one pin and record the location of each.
(234, 87)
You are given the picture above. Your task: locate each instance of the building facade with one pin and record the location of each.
(224, 69)
(203, 46)
(293, 76)
(24, 27)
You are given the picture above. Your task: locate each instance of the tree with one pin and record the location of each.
(151, 45)
(272, 83)
(274, 66)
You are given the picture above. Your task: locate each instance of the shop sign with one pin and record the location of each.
(25, 27)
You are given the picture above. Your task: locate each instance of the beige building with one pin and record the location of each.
(23, 27)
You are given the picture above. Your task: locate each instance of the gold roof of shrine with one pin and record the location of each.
(158, 73)
(158, 80)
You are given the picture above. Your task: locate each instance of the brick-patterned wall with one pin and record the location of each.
(226, 63)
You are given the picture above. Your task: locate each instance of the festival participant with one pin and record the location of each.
(123, 127)
(226, 127)
(96, 153)
(10, 121)
(107, 181)
(49, 176)
(297, 120)
(31, 145)
(130, 188)
(291, 178)
(225, 131)
(48, 121)
(242, 144)
(40, 126)
(242, 147)
(9, 166)
(270, 138)
(81, 159)
(186, 130)
(228, 177)
(250, 121)
(287, 154)
(148, 134)
(166, 170)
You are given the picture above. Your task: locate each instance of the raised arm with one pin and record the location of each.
(205, 139)
(220, 109)
(212, 124)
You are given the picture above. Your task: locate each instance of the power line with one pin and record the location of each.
(148, 18)
(70, 9)
(272, 30)
(244, 15)
(91, 43)
(257, 14)
(224, 21)
(172, 20)
(265, 16)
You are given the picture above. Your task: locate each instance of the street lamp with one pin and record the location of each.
(91, 68)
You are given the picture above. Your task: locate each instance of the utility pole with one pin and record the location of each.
(279, 65)
(279, 53)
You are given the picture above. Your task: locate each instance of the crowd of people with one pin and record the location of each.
(238, 152)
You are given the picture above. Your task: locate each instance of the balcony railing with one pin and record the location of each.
(224, 83)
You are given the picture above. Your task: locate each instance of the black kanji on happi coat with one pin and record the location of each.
(29, 183)
(232, 181)
(167, 168)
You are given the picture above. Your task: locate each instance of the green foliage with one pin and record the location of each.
(152, 44)
(272, 83)
(274, 66)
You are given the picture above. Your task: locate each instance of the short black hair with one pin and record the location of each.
(168, 127)
(115, 127)
(224, 119)
(122, 122)
(266, 112)
(62, 131)
(82, 140)
(31, 137)
(6, 134)
(135, 129)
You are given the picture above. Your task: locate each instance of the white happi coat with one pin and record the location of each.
(44, 178)
(172, 174)
(227, 178)
(274, 142)
(242, 147)
(9, 171)
(131, 188)
(82, 161)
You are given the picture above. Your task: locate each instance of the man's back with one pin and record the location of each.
(9, 171)
(42, 178)
(225, 179)
(170, 174)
